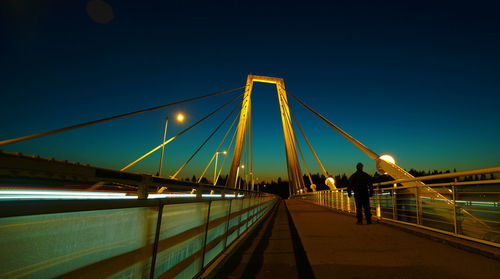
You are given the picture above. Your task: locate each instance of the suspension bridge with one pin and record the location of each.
(71, 220)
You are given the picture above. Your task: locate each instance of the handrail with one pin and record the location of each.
(444, 175)
(491, 181)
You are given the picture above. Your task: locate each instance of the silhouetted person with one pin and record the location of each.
(361, 183)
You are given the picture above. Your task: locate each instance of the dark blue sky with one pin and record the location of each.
(419, 80)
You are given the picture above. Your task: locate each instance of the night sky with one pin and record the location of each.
(415, 79)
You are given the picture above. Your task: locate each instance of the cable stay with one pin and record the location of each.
(358, 144)
(330, 182)
(179, 134)
(203, 144)
(217, 150)
(297, 146)
(312, 185)
(56, 131)
(225, 157)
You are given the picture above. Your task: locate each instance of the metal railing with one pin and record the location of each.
(466, 209)
(138, 238)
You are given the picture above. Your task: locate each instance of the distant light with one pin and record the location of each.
(161, 196)
(211, 195)
(64, 193)
(388, 158)
(180, 117)
(47, 194)
(224, 152)
(242, 166)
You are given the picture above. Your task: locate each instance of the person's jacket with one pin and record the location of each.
(361, 183)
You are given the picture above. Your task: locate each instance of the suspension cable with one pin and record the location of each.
(179, 134)
(217, 150)
(46, 133)
(228, 148)
(358, 144)
(305, 163)
(225, 157)
(323, 170)
(203, 144)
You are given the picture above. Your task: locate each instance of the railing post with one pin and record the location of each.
(417, 205)
(394, 202)
(342, 200)
(206, 236)
(227, 225)
(239, 219)
(453, 193)
(332, 201)
(157, 239)
(378, 193)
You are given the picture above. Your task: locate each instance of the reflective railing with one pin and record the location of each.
(467, 209)
(124, 238)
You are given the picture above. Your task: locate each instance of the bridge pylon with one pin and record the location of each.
(244, 127)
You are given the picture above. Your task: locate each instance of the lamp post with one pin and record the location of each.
(215, 167)
(237, 174)
(180, 118)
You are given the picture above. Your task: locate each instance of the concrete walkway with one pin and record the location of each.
(271, 253)
(338, 248)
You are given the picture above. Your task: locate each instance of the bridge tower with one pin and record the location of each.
(244, 127)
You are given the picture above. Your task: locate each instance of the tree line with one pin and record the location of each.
(280, 187)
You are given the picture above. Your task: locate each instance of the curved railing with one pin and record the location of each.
(466, 209)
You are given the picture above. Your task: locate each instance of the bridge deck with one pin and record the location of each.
(271, 253)
(338, 248)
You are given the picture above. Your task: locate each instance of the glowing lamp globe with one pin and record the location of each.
(180, 117)
(388, 158)
(330, 182)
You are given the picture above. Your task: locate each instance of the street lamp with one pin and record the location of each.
(215, 167)
(237, 173)
(180, 118)
(384, 159)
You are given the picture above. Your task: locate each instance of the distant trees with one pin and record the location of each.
(280, 186)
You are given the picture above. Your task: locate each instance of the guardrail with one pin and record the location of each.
(124, 238)
(466, 209)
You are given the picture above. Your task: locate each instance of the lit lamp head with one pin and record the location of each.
(384, 159)
(330, 182)
(180, 117)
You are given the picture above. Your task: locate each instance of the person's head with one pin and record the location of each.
(359, 166)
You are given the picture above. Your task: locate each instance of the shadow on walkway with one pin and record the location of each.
(274, 251)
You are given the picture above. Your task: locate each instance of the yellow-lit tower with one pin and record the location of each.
(244, 126)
